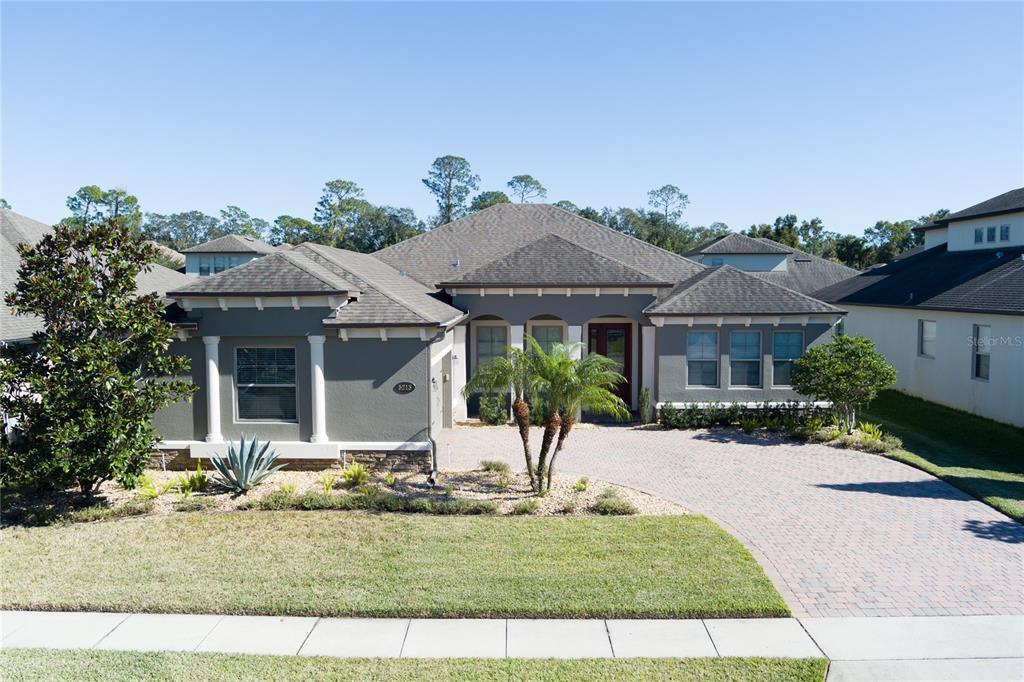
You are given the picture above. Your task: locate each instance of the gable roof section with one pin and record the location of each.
(445, 253)
(1006, 202)
(17, 229)
(388, 297)
(807, 273)
(736, 243)
(232, 243)
(555, 261)
(284, 273)
(724, 290)
(939, 279)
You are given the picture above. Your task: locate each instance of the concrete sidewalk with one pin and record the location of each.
(942, 647)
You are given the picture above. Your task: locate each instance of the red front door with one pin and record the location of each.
(614, 341)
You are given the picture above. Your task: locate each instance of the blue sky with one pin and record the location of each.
(853, 112)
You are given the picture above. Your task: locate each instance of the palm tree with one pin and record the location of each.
(566, 385)
(516, 373)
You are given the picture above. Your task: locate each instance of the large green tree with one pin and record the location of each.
(234, 220)
(91, 204)
(488, 199)
(785, 230)
(526, 188)
(85, 390)
(336, 211)
(670, 201)
(291, 230)
(179, 231)
(451, 180)
(377, 227)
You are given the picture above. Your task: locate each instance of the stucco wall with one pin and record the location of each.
(751, 262)
(184, 419)
(961, 234)
(946, 378)
(671, 364)
(575, 310)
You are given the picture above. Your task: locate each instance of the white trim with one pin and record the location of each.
(745, 320)
(300, 449)
(801, 404)
(634, 367)
(551, 291)
(557, 322)
(385, 333)
(437, 356)
(771, 366)
(476, 324)
(259, 302)
(235, 416)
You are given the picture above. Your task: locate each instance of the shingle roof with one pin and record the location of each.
(388, 297)
(284, 273)
(725, 290)
(169, 253)
(939, 279)
(16, 229)
(807, 273)
(739, 243)
(447, 252)
(555, 261)
(1004, 203)
(232, 243)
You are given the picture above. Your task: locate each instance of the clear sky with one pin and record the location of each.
(853, 112)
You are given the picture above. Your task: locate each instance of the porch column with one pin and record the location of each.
(647, 360)
(213, 434)
(517, 335)
(316, 366)
(576, 336)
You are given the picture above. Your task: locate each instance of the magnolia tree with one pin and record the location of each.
(83, 392)
(848, 372)
(558, 386)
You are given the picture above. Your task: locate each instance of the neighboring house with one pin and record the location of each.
(169, 255)
(772, 261)
(17, 229)
(223, 254)
(950, 316)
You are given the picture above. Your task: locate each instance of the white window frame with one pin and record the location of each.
(205, 261)
(990, 233)
(979, 235)
(921, 338)
(717, 359)
(561, 324)
(759, 360)
(977, 349)
(1004, 232)
(789, 360)
(234, 380)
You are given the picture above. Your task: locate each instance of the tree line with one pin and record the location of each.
(344, 218)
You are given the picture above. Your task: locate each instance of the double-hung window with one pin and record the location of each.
(491, 342)
(745, 359)
(1004, 233)
(979, 235)
(702, 358)
(547, 335)
(786, 348)
(991, 233)
(265, 381)
(204, 266)
(926, 338)
(980, 347)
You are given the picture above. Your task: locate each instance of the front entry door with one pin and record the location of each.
(614, 341)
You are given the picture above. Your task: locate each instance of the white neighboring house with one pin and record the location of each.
(223, 254)
(950, 316)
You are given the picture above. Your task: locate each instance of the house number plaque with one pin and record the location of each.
(404, 387)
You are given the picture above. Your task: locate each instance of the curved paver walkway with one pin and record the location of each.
(839, 532)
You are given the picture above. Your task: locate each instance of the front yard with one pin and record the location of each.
(38, 665)
(981, 457)
(363, 564)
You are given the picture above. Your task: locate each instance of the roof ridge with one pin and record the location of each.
(295, 259)
(779, 286)
(382, 290)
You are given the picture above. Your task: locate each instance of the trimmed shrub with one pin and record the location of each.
(608, 503)
(355, 475)
(527, 506)
(492, 410)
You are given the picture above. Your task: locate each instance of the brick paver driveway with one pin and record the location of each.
(839, 532)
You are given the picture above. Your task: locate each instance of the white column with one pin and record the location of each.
(647, 344)
(460, 360)
(576, 336)
(316, 366)
(213, 434)
(516, 335)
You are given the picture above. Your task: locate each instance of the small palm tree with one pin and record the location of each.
(565, 386)
(513, 373)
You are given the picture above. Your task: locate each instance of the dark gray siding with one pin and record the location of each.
(575, 309)
(184, 419)
(361, 402)
(671, 363)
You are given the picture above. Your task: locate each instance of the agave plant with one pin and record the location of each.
(245, 467)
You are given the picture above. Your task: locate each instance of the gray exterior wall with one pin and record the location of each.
(575, 309)
(359, 376)
(671, 364)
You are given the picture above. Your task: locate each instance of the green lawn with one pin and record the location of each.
(360, 564)
(108, 666)
(981, 457)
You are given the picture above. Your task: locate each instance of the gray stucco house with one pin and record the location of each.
(327, 351)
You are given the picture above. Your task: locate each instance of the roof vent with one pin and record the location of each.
(456, 263)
